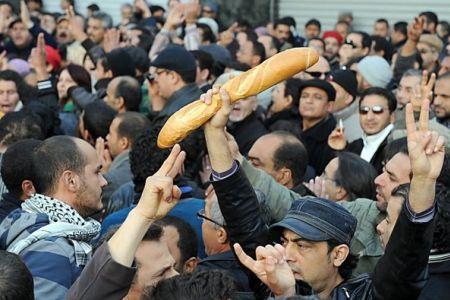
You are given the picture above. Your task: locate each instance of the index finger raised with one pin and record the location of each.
(169, 162)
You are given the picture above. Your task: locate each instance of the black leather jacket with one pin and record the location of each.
(401, 272)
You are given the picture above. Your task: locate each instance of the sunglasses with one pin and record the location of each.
(377, 109)
(317, 74)
(150, 77)
(201, 215)
(349, 42)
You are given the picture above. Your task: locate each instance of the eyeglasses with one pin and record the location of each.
(317, 74)
(351, 43)
(201, 215)
(377, 109)
(150, 77)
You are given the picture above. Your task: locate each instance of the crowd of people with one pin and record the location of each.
(333, 184)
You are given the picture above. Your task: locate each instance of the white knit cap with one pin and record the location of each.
(375, 70)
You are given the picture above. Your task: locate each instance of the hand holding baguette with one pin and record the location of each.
(272, 71)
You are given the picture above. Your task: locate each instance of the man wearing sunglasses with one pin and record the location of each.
(356, 44)
(376, 116)
(174, 74)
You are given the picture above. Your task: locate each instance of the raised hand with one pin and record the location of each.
(317, 186)
(415, 29)
(426, 148)
(220, 119)
(25, 14)
(143, 7)
(270, 267)
(175, 18)
(103, 154)
(192, 10)
(76, 27)
(160, 195)
(112, 40)
(426, 90)
(336, 139)
(38, 58)
(227, 36)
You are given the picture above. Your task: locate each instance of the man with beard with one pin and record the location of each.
(64, 36)
(441, 102)
(333, 41)
(52, 232)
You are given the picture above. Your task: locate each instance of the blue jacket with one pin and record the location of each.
(186, 210)
(51, 261)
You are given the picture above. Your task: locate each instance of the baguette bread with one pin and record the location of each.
(272, 71)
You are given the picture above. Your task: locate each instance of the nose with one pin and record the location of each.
(379, 180)
(103, 181)
(380, 227)
(289, 252)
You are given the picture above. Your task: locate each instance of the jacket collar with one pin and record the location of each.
(120, 159)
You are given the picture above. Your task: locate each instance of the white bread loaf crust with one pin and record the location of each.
(272, 71)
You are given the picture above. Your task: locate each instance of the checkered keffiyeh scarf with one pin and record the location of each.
(64, 222)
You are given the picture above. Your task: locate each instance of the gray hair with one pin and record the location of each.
(104, 17)
(216, 214)
(413, 73)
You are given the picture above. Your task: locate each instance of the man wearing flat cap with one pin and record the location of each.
(316, 102)
(174, 73)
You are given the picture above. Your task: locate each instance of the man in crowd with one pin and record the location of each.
(345, 106)
(441, 102)
(381, 28)
(333, 41)
(376, 115)
(373, 71)
(123, 132)
(356, 44)
(309, 231)
(68, 182)
(316, 102)
(97, 26)
(124, 94)
(312, 29)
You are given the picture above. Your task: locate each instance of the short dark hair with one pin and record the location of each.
(19, 125)
(97, 118)
(356, 176)
(146, 158)
(17, 165)
(23, 89)
(201, 284)
(314, 22)
(153, 234)
(431, 17)
(130, 89)
(259, 50)
(291, 154)
(4, 2)
(204, 59)
(208, 34)
(292, 88)
(93, 7)
(284, 21)
(381, 44)
(385, 93)
(401, 27)
(52, 157)
(382, 20)
(16, 281)
(47, 116)
(187, 243)
(366, 40)
(132, 125)
(394, 147)
(349, 264)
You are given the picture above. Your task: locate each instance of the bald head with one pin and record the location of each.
(282, 156)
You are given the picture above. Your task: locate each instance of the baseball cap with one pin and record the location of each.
(317, 219)
(346, 79)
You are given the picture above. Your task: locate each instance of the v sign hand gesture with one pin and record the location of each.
(426, 154)
(160, 195)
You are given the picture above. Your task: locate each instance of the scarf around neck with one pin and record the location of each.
(65, 222)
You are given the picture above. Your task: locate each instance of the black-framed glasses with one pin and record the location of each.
(150, 77)
(317, 74)
(201, 215)
(350, 42)
(376, 109)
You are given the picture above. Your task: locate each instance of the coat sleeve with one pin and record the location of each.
(81, 97)
(402, 271)
(102, 278)
(52, 269)
(240, 209)
(279, 198)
